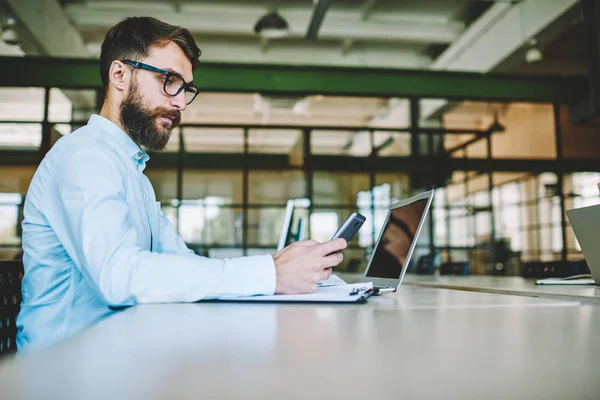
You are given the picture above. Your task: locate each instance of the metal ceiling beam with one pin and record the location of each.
(318, 15)
(367, 9)
(274, 79)
(50, 28)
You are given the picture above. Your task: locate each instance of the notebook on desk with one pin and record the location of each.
(354, 293)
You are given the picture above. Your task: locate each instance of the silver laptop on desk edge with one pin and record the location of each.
(586, 224)
(397, 241)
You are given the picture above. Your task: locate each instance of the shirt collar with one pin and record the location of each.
(120, 140)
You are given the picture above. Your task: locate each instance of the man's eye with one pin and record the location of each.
(167, 80)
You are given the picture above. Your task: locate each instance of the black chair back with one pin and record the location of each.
(11, 274)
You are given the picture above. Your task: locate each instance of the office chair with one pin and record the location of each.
(11, 273)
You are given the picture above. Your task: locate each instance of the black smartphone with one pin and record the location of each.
(350, 227)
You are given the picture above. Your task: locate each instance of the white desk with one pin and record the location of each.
(513, 285)
(418, 343)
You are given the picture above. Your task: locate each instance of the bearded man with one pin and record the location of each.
(94, 238)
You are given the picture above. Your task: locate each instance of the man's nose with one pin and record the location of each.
(179, 101)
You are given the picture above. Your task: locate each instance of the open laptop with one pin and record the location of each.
(585, 222)
(395, 245)
(293, 225)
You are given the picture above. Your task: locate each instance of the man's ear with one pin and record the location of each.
(119, 75)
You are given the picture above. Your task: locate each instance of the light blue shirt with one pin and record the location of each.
(95, 240)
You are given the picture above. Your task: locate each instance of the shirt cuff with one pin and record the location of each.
(256, 275)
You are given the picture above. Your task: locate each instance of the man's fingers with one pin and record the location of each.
(325, 274)
(332, 260)
(307, 243)
(332, 246)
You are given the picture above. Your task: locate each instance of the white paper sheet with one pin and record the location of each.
(333, 280)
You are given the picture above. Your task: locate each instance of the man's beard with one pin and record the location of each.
(144, 125)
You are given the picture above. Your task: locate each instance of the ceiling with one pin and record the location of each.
(388, 33)
(469, 35)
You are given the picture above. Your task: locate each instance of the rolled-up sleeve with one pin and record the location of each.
(102, 242)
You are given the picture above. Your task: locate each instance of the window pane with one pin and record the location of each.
(531, 125)
(210, 223)
(9, 212)
(585, 187)
(173, 143)
(21, 104)
(275, 187)
(275, 141)
(264, 226)
(399, 184)
(20, 136)
(342, 143)
(460, 231)
(213, 140)
(338, 188)
(164, 182)
(440, 213)
(15, 179)
(226, 185)
(392, 144)
(68, 105)
(220, 108)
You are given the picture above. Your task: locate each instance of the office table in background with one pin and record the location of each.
(512, 285)
(417, 343)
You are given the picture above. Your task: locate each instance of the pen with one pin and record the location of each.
(356, 291)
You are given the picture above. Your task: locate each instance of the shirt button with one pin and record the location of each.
(139, 154)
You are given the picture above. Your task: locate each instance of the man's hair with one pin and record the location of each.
(132, 38)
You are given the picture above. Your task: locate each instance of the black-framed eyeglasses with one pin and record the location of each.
(173, 83)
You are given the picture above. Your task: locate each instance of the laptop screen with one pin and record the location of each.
(395, 242)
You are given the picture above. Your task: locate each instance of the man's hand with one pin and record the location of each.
(301, 265)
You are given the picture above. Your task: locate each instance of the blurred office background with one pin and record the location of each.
(349, 105)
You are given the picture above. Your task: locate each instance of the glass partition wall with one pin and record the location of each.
(224, 179)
